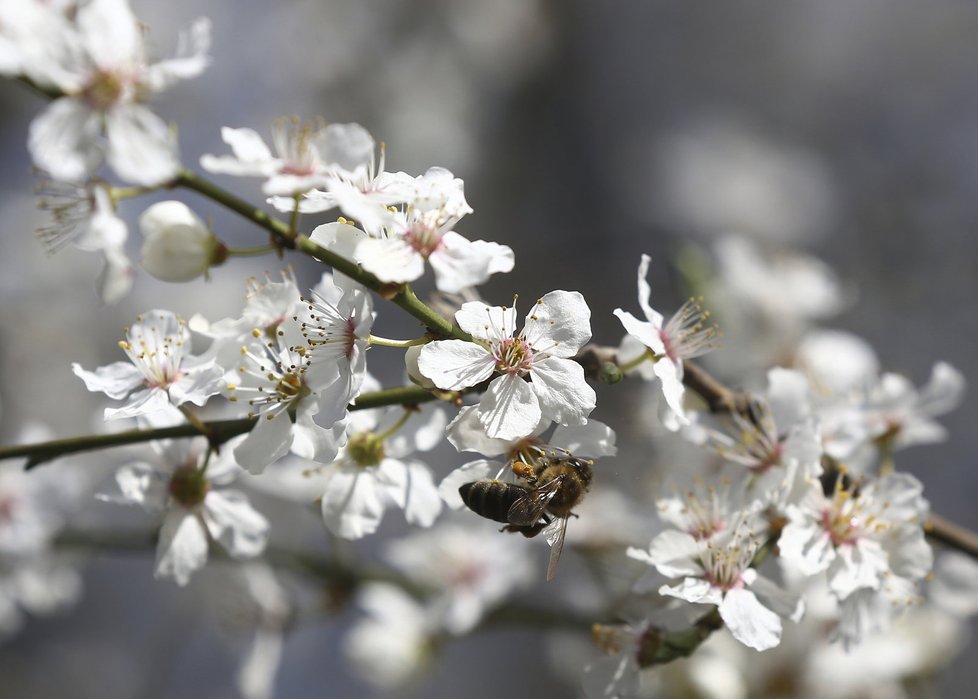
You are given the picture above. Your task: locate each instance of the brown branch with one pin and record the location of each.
(953, 535)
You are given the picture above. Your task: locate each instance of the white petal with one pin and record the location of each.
(788, 396)
(486, 322)
(749, 621)
(190, 61)
(509, 409)
(64, 140)
(115, 279)
(141, 147)
(198, 384)
(341, 238)
(116, 380)
(353, 503)
(410, 485)
(943, 392)
(423, 432)
(143, 402)
(390, 259)
(268, 441)
(111, 33)
(593, 438)
(674, 553)
(466, 473)
(644, 332)
(232, 521)
(805, 545)
(672, 387)
(559, 323)
(455, 364)
(255, 678)
(564, 394)
(645, 292)
(310, 441)
(182, 547)
(460, 263)
(347, 145)
(695, 590)
(466, 433)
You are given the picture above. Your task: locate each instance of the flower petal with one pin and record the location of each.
(749, 621)
(353, 503)
(182, 547)
(455, 364)
(268, 441)
(141, 147)
(64, 140)
(564, 394)
(559, 323)
(509, 409)
(231, 520)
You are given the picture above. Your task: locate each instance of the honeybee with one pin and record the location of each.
(556, 482)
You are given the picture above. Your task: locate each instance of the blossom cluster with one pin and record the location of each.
(787, 511)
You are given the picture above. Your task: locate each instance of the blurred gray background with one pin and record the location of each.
(564, 119)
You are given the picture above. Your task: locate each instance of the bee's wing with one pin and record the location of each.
(556, 541)
(527, 511)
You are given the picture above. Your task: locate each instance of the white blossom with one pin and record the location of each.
(296, 166)
(718, 571)
(99, 63)
(472, 568)
(374, 471)
(392, 644)
(556, 327)
(684, 336)
(857, 536)
(160, 373)
(178, 481)
(85, 216)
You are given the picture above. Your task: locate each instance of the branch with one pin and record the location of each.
(400, 295)
(953, 535)
(216, 431)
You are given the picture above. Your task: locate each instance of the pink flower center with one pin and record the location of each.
(513, 356)
(424, 239)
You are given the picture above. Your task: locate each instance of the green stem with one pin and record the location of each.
(52, 93)
(250, 252)
(646, 356)
(374, 340)
(119, 193)
(294, 218)
(396, 426)
(273, 225)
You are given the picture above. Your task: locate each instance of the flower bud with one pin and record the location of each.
(178, 246)
(414, 373)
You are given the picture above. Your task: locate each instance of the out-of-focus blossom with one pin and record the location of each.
(179, 481)
(860, 539)
(298, 164)
(390, 646)
(472, 568)
(85, 216)
(99, 62)
(374, 471)
(719, 176)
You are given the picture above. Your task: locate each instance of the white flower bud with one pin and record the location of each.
(414, 373)
(178, 246)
